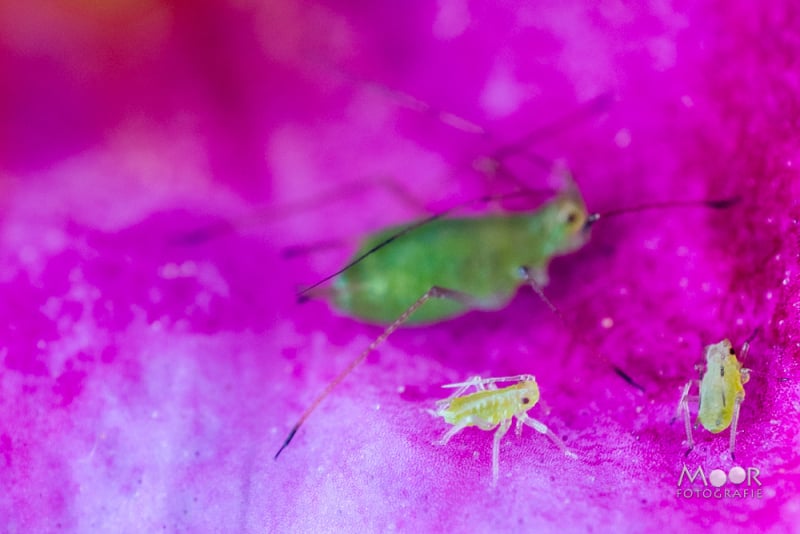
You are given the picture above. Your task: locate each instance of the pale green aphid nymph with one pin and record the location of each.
(489, 407)
(721, 392)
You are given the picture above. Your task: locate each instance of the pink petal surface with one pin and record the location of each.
(148, 379)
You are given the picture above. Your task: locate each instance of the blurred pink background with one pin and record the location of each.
(149, 375)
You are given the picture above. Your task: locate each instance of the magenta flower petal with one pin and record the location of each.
(156, 162)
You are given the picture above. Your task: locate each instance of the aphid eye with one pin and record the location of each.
(572, 217)
(525, 400)
(732, 352)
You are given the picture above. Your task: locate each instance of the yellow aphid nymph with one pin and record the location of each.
(489, 407)
(721, 392)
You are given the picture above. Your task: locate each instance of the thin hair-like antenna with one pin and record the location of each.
(494, 380)
(716, 204)
(753, 335)
(540, 292)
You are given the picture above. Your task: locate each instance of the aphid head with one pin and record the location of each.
(567, 221)
(528, 392)
(719, 353)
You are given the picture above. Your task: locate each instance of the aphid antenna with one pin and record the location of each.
(617, 370)
(716, 204)
(753, 335)
(302, 296)
(747, 342)
(516, 378)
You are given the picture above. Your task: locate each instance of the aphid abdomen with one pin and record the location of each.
(717, 404)
(721, 388)
(477, 257)
(713, 416)
(492, 406)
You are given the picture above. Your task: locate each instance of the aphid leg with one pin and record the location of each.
(679, 408)
(476, 381)
(683, 406)
(472, 420)
(538, 278)
(542, 429)
(452, 432)
(498, 436)
(737, 404)
(434, 292)
(745, 373)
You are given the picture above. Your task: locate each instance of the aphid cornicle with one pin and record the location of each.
(721, 392)
(489, 408)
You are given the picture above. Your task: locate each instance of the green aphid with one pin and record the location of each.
(721, 392)
(462, 263)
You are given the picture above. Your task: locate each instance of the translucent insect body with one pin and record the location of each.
(721, 392)
(489, 407)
